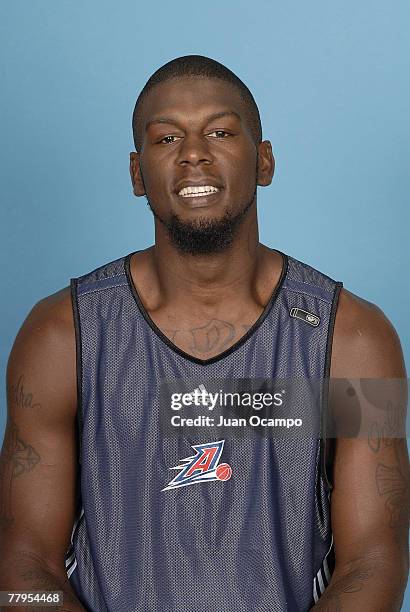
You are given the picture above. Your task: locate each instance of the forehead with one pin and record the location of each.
(191, 96)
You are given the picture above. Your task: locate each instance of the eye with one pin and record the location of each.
(220, 133)
(168, 139)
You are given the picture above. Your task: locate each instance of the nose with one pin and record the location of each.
(194, 150)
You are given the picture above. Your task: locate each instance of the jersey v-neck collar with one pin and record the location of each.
(228, 351)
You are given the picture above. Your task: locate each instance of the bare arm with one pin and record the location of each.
(371, 497)
(38, 469)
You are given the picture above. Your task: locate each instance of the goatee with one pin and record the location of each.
(204, 236)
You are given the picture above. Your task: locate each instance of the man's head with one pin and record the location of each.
(197, 126)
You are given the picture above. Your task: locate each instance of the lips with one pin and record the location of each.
(197, 192)
(197, 189)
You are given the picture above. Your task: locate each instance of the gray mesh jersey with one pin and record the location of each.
(258, 542)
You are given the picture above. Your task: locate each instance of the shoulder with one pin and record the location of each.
(365, 343)
(43, 356)
(58, 304)
(51, 318)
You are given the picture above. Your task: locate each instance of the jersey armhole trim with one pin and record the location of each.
(79, 364)
(325, 403)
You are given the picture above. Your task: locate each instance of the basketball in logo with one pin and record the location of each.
(223, 471)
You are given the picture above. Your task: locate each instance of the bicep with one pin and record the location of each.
(38, 468)
(370, 500)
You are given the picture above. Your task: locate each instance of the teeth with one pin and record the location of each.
(200, 190)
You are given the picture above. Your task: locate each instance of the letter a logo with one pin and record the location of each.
(201, 467)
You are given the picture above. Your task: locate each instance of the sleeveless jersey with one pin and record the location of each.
(252, 532)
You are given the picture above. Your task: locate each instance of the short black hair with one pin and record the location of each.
(197, 66)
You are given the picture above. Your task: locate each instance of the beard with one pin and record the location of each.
(204, 236)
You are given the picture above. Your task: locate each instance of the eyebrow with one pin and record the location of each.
(172, 121)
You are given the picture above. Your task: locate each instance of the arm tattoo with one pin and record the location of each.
(392, 481)
(393, 485)
(38, 576)
(20, 397)
(16, 458)
(351, 581)
(383, 434)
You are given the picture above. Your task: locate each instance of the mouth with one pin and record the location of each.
(199, 196)
(198, 191)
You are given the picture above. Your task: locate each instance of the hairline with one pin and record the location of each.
(233, 86)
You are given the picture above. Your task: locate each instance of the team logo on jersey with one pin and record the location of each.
(201, 467)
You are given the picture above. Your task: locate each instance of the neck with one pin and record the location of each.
(208, 279)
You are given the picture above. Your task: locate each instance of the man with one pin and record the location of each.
(257, 522)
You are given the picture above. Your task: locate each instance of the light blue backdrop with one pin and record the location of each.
(332, 83)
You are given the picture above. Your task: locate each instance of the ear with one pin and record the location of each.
(135, 173)
(266, 163)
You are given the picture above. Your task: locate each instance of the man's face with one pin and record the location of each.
(195, 135)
